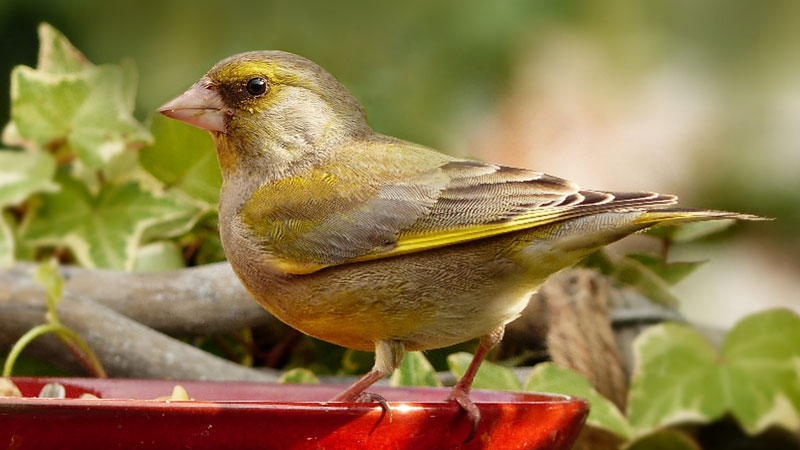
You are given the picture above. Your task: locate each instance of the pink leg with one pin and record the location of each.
(352, 393)
(388, 355)
(460, 392)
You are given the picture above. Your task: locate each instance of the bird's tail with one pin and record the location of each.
(676, 216)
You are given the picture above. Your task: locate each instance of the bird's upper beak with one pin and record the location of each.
(201, 106)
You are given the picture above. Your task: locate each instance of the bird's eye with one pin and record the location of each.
(256, 86)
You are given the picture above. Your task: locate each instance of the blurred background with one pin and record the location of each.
(701, 99)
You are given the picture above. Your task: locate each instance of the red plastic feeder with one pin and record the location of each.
(237, 415)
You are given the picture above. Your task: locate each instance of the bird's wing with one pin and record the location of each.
(456, 202)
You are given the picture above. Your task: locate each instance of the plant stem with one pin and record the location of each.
(76, 344)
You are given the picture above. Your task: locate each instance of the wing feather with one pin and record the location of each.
(458, 201)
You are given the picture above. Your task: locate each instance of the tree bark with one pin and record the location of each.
(125, 347)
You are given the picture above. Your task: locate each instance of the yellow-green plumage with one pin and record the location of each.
(375, 243)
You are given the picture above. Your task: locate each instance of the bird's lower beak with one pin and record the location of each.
(200, 106)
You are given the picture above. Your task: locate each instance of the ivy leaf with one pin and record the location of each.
(299, 375)
(130, 79)
(7, 245)
(56, 53)
(667, 439)
(672, 272)
(675, 378)
(415, 370)
(12, 138)
(23, 173)
(690, 231)
(159, 256)
(604, 414)
(679, 377)
(68, 100)
(183, 157)
(762, 371)
(631, 272)
(103, 230)
(178, 223)
(489, 376)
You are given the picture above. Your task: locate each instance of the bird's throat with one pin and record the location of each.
(226, 154)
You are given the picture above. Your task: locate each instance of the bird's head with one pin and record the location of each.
(270, 104)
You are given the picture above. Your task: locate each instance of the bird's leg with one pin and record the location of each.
(460, 392)
(388, 355)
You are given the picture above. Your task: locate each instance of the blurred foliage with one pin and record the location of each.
(299, 375)
(604, 414)
(489, 376)
(415, 370)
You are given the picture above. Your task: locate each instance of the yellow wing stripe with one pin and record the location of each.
(440, 239)
(457, 236)
(423, 241)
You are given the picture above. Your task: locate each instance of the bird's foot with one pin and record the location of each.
(367, 397)
(461, 396)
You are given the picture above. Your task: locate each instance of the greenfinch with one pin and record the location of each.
(374, 243)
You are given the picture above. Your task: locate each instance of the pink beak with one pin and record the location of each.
(200, 106)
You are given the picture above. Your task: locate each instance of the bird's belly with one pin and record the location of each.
(360, 320)
(426, 300)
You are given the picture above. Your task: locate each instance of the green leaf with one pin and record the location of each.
(675, 379)
(696, 230)
(357, 362)
(599, 261)
(7, 245)
(415, 370)
(210, 250)
(183, 157)
(633, 273)
(604, 414)
(130, 79)
(690, 231)
(159, 256)
(121, 168)
(762, 371)
(103, 230)
(672, 272)
(668, 439)
(680, 378)
(69, 100)
(299, 375)
(23, 173)
(489, 376)
(89, 111)
(12, 138)
(178, 223)
(56, 53)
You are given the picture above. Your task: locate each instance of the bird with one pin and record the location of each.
(374, 243)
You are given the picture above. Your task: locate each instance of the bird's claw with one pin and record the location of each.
(369, 397)
(462, 398)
